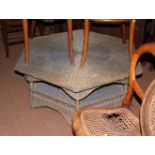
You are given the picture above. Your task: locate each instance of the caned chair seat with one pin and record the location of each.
(107, 122)
(118, 121)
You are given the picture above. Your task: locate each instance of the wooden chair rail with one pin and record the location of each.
(133, 85)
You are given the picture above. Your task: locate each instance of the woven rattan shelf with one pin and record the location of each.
(44, 94)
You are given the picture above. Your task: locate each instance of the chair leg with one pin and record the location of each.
(70, 41)
(128, 97)
(86, 40)
(5, 39)
(131, 37)
(123, 33)
(25, 28)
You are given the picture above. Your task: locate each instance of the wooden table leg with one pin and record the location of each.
(70, 41)
(25, 28)
(86, 40)
(131, 37)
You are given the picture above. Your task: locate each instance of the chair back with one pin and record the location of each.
(133, 85)
(147, 112)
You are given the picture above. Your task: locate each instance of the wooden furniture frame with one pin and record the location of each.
(133, 87)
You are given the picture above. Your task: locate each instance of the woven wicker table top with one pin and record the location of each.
(107, 61)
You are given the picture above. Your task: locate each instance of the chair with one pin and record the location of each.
(122, 21)
(9, 26)
(70, 48)
(120, 120)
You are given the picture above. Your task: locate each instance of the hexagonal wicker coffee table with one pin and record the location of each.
(65, 88)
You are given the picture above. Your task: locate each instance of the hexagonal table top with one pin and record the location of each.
(107, 61)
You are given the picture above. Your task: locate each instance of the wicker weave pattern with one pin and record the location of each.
(107, 61)
(44, 94)
(124, 123)
(40, 100)
(120, 121)
(78, 95)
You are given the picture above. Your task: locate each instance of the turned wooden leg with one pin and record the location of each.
(123, 33)
(70, 41)
(25, 28)
(131, 37)
(86, 40)
(128, 97)
(5, 38)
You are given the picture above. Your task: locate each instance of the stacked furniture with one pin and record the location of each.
(57, 84)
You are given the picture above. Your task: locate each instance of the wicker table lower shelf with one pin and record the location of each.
(46, 95)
